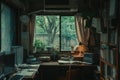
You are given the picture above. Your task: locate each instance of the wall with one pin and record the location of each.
(7, 28)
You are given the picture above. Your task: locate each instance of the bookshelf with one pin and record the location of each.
(109, 55)
(110, 45)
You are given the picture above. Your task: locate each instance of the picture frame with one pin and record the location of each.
(112, 8)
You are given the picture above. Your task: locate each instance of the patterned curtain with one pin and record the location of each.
(81, 31)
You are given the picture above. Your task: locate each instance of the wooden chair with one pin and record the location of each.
(73, 74)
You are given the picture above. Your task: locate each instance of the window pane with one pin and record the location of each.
(47, 32)
(68, 33)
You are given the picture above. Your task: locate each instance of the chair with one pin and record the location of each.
(73, 74)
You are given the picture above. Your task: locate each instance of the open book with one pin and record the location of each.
(72, 62)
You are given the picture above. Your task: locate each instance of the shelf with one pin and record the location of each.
(106, 62)
(110, 42)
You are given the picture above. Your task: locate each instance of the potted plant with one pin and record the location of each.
(39, 45)
(54, 55)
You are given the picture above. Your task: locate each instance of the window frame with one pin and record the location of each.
(60, 15)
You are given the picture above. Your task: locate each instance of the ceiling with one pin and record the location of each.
(56, 6)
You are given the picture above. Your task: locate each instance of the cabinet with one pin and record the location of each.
(110, 46)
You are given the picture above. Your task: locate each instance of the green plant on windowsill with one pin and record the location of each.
(39, 45)
(55, 54)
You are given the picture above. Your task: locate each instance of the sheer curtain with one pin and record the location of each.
(31, 31)
(81, 31)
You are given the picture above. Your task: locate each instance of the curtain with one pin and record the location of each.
(31, 31)
(81, 31)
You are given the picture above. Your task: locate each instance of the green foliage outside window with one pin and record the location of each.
(39, 44)
(51, 30)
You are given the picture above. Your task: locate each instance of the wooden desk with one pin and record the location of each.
(29, 72)
(52, 70)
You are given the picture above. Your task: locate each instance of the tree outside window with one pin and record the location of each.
(49, 32)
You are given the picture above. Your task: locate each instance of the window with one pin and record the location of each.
(68, 33)
(7, 28)
(47, 32)
(53, 32)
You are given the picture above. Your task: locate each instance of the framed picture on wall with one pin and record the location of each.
(112, 8)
